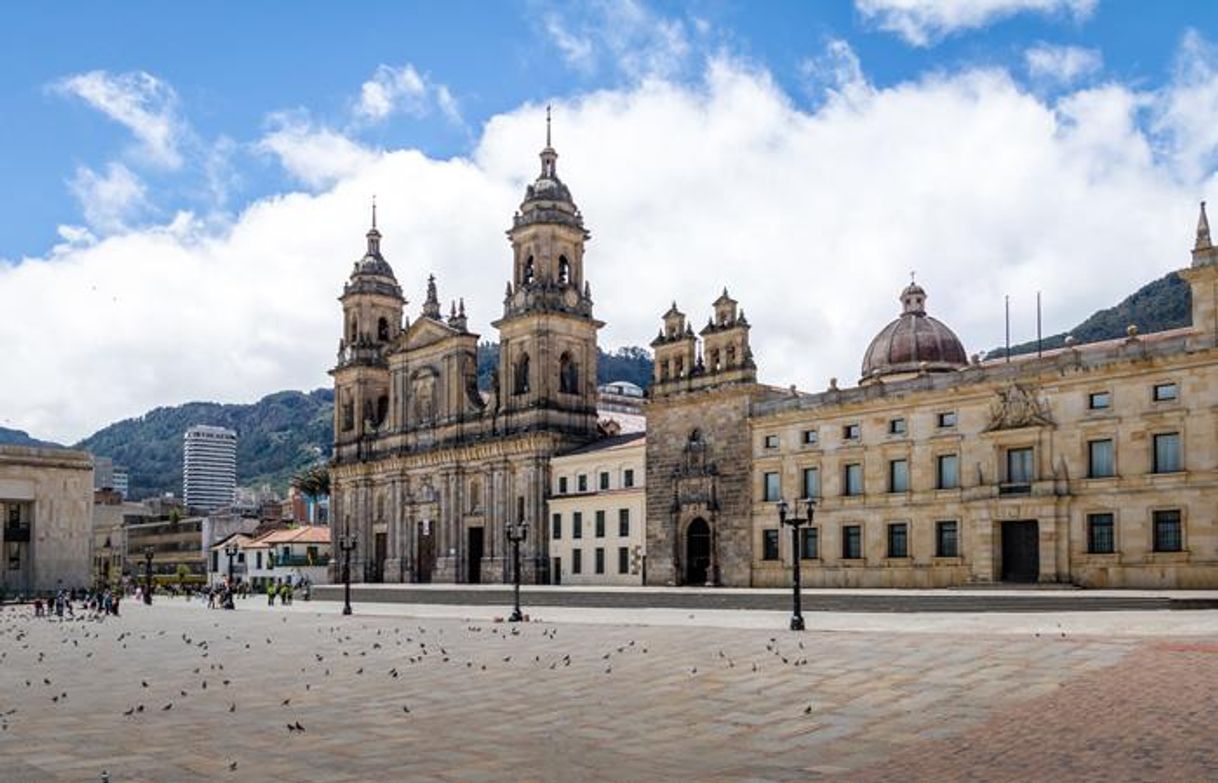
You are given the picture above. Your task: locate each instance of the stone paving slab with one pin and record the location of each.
(581, 702)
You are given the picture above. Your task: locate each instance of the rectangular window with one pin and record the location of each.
(581, 483)
(562, 485)
(773, 488)
(898, 475)
(600, 560)
(896, 427)
(1019, 466)
(600, 524)
(947, 539)
(851, 432)
(604, 478)
(623, 522)
(623, 560)
(810, 543)
(577, 561)
(769, 550)
(811, 482)
(556, 526)
(810, 438)
(1100, 539)
(1167, 452)
(258, 560)
(577, 524)
(1166, 391)
(898, 539)
(1100, 463)
(852, 479)
(628, 478)
(852, 542)
(1098, 401)
(1168, 536)
(771, 441)
(947, 471)
(947, 419)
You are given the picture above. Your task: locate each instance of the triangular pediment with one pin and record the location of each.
(424, 332)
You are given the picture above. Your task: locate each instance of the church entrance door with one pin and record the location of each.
(474, 552)
(1020, 551)
(379, 547)
(425, 552)
(697, 552)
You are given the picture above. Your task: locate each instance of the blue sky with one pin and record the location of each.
(233, 64)
(187, 185)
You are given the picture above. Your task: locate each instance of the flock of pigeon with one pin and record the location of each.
(350, 649)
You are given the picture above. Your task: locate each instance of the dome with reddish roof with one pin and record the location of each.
(914, 342)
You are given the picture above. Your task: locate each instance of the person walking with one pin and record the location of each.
(270, 593)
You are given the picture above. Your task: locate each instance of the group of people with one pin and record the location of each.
(284, 591)
(96, 604)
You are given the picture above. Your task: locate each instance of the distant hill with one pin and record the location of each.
(1164, 304)
(277, 435)
(20, 438)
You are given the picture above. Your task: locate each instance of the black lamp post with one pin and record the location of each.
(516, 534)
(347, 543)
(795, 521)
(148, 550)
(231, 550)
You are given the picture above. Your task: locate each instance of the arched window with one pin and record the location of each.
(664, 370)
(521, 381)
(568, 375)
(382, 409)
(731, 356)
(528, 271)
(680, 367)
(382, 330)
(348, 415)
(564, 270)
(714, 362)
(353, 330)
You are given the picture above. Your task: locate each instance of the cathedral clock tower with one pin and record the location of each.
(547, 335)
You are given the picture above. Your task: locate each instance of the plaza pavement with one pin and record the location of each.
(605, 695)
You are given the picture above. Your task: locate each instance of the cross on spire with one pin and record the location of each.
(374, 210)
(547, 125)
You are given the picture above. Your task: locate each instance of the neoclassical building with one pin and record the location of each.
(427, 470)
(1091, 464)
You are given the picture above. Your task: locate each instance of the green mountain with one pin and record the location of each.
(276, 436)
(1164, 304)
(21, 438)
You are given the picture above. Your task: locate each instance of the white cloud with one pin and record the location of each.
(143, 103)
(626, 34)
(923, 22)
(837, 72)
(109, 200)
(392, 89)
(316, 156)
(812, 218)
(1061, 64)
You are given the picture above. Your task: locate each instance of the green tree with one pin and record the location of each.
(183, 572)
(313, 481)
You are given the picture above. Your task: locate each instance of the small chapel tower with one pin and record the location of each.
(547, 335)
(1202, 277)
(372, 320)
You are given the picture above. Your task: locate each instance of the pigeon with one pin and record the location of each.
(168, 706)
(299, 727)
(285, 702)
(232, 766)
(405, 709)
(232, 707)
(130, 712)
(808, 710)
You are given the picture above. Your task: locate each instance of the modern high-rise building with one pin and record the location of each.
(209, 470)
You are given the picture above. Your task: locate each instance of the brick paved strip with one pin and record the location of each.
(1149, 717)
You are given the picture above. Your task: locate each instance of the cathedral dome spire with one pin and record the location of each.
(373, 264)
(548, 199)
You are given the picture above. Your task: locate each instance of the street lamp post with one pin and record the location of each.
(231, 550)
(795, 521)
(347, 543)
(516, 534)
(148, 551)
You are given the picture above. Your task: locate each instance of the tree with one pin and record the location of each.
(183, 572)
(313, 481)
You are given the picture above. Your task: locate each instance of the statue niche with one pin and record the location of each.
(423, 392)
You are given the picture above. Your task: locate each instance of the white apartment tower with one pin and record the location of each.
(209, 471)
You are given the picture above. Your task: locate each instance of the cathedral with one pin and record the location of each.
(428, 470)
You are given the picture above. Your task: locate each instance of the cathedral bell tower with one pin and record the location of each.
(372, 320)
(547, 335)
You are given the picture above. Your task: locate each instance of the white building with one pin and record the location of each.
(596, 513)
(290, 555)
(121, 481)
(209, 471)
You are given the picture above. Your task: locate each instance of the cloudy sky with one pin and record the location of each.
(186, 188)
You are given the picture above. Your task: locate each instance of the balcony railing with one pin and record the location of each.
(296, 561)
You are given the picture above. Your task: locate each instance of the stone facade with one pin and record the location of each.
(1094, 464)
(597, 508)
(46, 505)
(428, 470)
